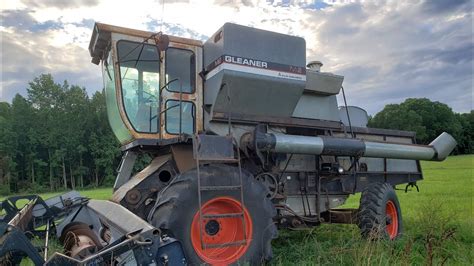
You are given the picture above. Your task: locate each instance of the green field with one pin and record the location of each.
(438, 226)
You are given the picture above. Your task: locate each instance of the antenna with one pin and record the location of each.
(162, 14)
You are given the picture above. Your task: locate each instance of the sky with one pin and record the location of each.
(386, 50)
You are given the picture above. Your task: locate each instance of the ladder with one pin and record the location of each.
(218, 149)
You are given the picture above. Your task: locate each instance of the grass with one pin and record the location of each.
(438, 226)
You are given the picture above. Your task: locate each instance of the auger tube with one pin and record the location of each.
(437, 150)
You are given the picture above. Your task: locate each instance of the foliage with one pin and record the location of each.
(56, 137)
(59, 138)
(428, 119)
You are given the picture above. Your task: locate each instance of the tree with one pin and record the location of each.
(46, 98)
(396, 116)
(428, 119)
(21, 119)
(6, 147)
(75, 116)
(104, 147)
(466, 138)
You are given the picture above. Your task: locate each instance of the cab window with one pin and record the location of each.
(173, 117)
(139, 76)
(180, 64)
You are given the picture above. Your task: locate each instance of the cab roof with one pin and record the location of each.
(101, 37)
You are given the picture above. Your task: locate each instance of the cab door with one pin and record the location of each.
(181, 96)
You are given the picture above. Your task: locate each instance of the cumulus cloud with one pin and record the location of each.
(391, 51)
(387, 51)
(30, 48)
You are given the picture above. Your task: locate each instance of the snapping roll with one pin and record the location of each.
(437, 150)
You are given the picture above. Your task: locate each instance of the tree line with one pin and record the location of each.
(58, 138)
(428, 119)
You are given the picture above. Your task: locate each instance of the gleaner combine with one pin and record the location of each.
(245, 138)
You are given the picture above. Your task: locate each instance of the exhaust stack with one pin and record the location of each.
(437, 150)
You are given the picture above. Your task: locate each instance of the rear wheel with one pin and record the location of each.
(379, 212)
(177, 214)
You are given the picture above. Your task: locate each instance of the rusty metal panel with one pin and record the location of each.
(119, 216)
(23, 217)
(101, 27)
(139, 177)
(183, 157)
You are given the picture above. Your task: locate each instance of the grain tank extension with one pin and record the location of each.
(245, 138)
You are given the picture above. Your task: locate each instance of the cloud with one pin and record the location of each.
(236, 3)
(23, 20)
(29, 50)
(154, 25)
(387, 51)
(444, 6)
(61, 4)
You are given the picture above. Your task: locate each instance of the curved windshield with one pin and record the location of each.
(139, 76)
(113, 112)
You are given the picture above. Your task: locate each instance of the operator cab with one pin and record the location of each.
(150, 82)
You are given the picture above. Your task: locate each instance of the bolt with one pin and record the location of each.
(165, 259)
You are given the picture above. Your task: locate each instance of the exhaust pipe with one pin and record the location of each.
(437, 150)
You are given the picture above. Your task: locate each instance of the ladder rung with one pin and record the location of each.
(220, 187)
(236, 243)
(223, 215)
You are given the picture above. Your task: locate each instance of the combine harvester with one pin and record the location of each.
(245, 138)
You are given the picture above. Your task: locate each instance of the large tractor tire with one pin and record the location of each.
(177, 214)
(379, 212)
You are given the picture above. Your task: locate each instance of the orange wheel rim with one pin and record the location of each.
(392, 219)
(221, 230)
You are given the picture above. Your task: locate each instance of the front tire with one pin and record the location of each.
(177, 214)
(380, 215)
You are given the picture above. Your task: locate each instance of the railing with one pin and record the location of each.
(180, 105)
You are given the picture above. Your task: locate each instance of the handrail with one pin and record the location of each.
(159, 105)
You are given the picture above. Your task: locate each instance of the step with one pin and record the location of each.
(213, 188)
(222, 215)
(213, 147)
(236, 243)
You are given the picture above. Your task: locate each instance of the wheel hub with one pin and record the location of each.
(212, 227)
